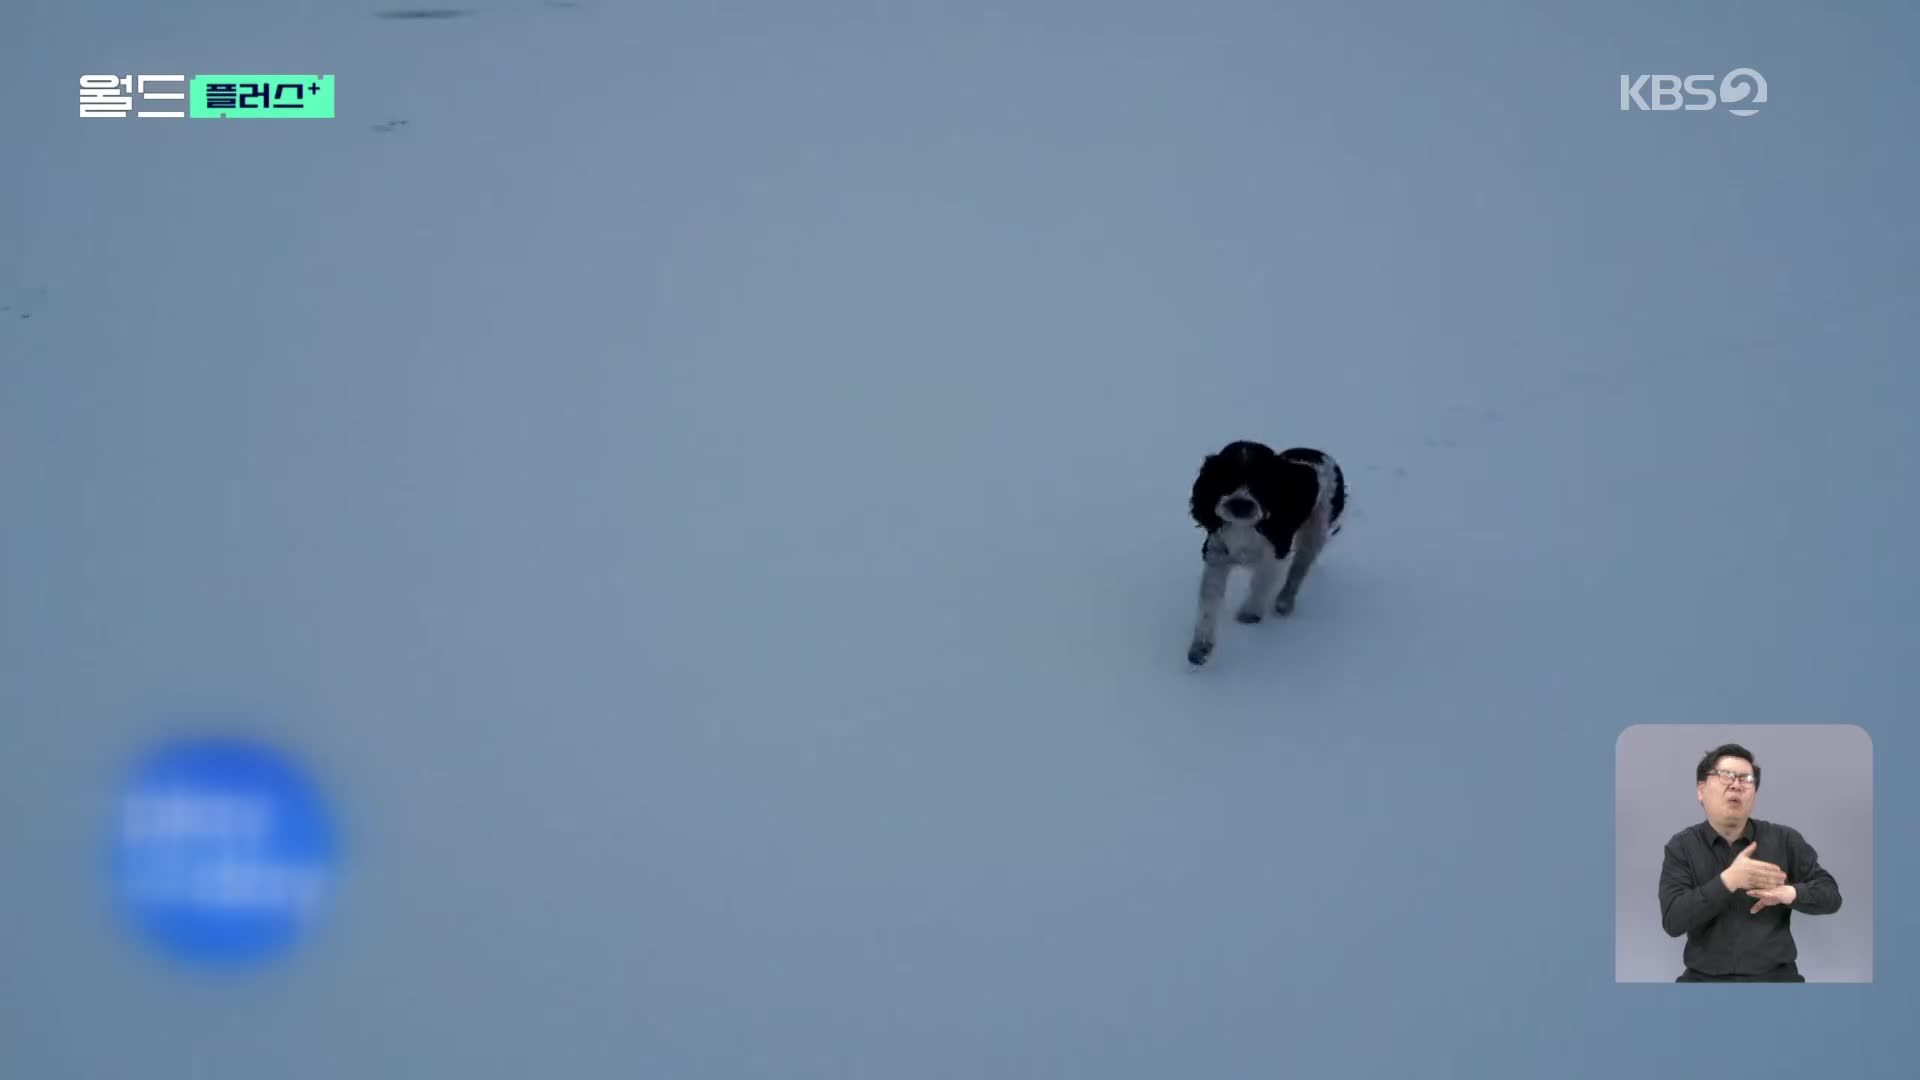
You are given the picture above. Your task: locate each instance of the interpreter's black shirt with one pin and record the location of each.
(1724, 935)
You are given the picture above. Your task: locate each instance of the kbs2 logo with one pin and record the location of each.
(1744, 87)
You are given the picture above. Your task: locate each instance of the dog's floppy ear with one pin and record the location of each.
(1287, 493)
(1206, 492)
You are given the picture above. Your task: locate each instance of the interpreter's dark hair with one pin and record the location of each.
(1725, 750)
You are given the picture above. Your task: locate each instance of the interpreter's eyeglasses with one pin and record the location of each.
(1735, 778)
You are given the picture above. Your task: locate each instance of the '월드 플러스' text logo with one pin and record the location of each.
(1742, 89)
(224, 851)
(216, 97)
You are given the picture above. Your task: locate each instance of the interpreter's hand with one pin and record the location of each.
(1748, 873)
(1779, 894)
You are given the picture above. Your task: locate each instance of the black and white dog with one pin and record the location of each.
(1257, 506)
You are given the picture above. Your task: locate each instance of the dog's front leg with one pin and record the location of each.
(1213, 593)
(1266, 573)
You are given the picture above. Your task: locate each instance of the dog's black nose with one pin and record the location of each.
(1239, 507)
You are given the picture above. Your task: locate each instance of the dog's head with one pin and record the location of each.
(1234, 486)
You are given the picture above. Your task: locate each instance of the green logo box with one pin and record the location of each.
(261, 97)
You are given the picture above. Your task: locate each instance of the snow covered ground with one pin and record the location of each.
(707, 493)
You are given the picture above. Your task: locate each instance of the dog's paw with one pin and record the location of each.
(1283, 605)
(1249, 616)
(1198, 652)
